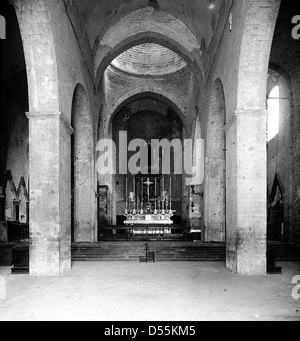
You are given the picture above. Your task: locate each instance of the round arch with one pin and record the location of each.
(141, 27)
(153, 93)
(280, 105)
(278, 78)
(40, 56)
(135, 5)
(277, 74)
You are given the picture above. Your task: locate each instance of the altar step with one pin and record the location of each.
(133, 251)
(17, 255)
(284, 251)
(170, 251)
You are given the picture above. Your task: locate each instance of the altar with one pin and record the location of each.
(152, 210)
(149, 219)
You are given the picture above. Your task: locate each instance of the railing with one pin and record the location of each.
(159, 232)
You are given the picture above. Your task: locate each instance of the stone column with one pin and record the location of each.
(50, 193)
(215, 220)
(247, 193)
(83, 200)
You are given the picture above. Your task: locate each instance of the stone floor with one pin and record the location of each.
(150, 292)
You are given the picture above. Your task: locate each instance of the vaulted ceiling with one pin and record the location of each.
(149, 59)
(97, 16)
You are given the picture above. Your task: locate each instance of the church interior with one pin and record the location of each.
(75, 73)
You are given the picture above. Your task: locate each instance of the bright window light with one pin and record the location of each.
(274, 111)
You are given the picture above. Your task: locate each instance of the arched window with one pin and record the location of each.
(274, 112)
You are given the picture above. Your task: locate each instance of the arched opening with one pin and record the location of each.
(156, 95)
(14, 131)
(283, 149)
(150, 38)
(148, 26)
(155, 60)
(82, 168)
(273, 106)
(279, 149)
(145, 117)
(215, 168)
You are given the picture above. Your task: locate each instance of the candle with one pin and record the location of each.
(170, 186)
(126, 187)
(134, 186)
(155, 187)
(142, 191)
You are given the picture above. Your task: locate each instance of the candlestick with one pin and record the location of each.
(134, 207)
(126, 210)
(142, 187)
(163, 205)
(167, 204)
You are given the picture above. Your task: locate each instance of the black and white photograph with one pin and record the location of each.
(150, 163)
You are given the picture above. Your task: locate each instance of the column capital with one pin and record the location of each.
(44, 115)
(252, 113)
(242, 113)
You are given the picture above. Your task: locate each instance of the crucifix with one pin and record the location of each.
(148, 183)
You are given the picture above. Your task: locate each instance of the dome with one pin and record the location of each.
(149, 59)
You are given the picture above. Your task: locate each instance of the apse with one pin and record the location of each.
(147, 119)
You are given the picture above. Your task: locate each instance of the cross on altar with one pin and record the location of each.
(148, 183)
